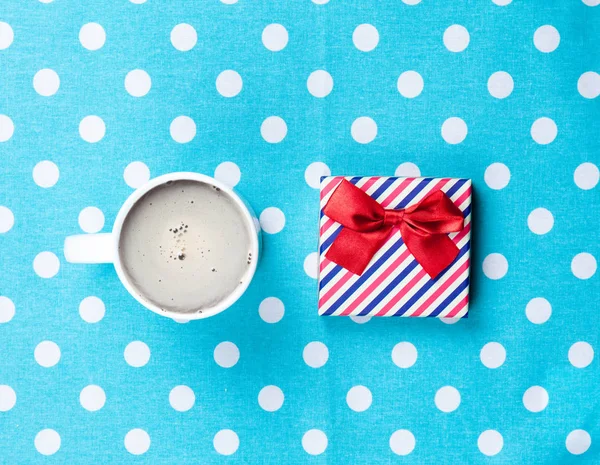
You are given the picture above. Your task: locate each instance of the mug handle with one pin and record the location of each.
(90, 248)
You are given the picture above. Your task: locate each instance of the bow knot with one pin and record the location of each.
(393, 217)
(367, 226)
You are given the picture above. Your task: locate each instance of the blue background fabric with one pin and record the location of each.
(550, 254)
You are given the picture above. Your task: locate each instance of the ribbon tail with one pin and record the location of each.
(354, 250)
(434, 252)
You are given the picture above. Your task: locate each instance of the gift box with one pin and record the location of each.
(394, 246)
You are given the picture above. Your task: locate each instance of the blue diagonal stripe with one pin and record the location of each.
(455, 187)
(448, 300)
(364, 277)
(398, 279)
(402, 310)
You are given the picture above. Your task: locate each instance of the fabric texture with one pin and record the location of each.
(96, 97)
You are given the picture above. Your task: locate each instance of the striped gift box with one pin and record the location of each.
(394, 284)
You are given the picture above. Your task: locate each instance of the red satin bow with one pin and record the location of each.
(367, 226)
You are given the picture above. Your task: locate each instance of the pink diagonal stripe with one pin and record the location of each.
(403, 291)
(343, 280)
(329, 187)
(439, 291)
(398, 190)
(410, 285)
(459, 306)
(366, 292)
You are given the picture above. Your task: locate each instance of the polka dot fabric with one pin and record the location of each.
(269, 97)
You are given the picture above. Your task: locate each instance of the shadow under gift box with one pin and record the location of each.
(394, 283)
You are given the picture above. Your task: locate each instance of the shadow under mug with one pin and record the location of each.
(104, 247)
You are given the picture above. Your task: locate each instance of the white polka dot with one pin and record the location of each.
(45, 174)
(46, 1)
(6, 35)
(583, 265)
(314, 172)
(226, 354)
(535, 399)
(46, 264)
(92, 36)
(365, 37)
(8, 398)
(270, 398)
(229, 2)
(581, 354)
(410, 84)
(7, 128)
(311, 265)
(404, 354)
(92, 129)
(544, 131)
(315, 354)
(228, 173)
(7, 309)
(591, 2)
(136, 174)
(7, 219)
(137, 354)
(271, 310)
(538, 310)
(359, 398)
(92, 309)
(363, 130)
(275, 37)
(47, 354)
(183, 129)
(408, 169)
(319, 83)
(546, 38)
(47, 442)
(450, 321)
(91, 219)
(497, 176)
(588, 85)
(320, 2)
(182, 398)
(490, 442)
(184, 37)
(137, 441)
(578, 442)
(402, 442)
(46, 82)
(272, 220)
(226, 441)
(447, 399)
(454, 130)
(540, 221)
(138, 2)
(360, 319)
(92, 398)
(495, 266)
(273, 129)
(456, 38)
(229, 83)
(314, 442)
(138, 83)
(502, 2)
(493, 355)
(500, 84)
(411, 2)
(586, 176)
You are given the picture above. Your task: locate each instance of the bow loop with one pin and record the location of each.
(367, 226)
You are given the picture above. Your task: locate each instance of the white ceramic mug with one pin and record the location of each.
(104, 247)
